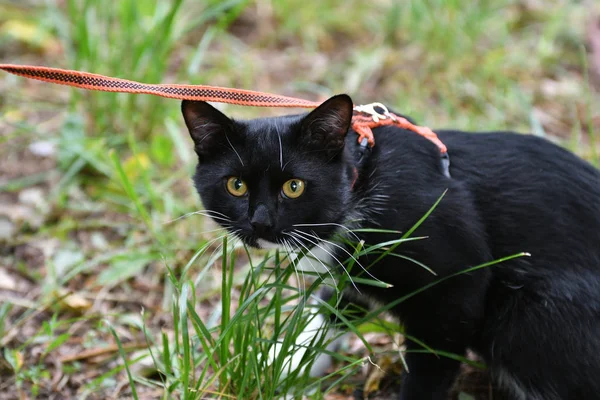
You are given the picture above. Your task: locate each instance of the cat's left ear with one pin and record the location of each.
(208, 126)
(326, 126)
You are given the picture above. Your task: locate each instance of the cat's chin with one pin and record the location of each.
(265, 244)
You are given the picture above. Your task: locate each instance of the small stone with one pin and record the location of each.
(65, 259)
(43, 148)
(98, 241)
(33, 197)
(7, 228)
(7, 282)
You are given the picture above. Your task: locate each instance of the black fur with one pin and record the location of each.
(535, 320)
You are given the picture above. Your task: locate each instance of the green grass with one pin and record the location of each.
(234, 357)
(99, 263)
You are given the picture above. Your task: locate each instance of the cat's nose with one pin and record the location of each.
(261, 220)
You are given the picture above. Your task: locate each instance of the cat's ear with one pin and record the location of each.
(207, 125)
(326, 126)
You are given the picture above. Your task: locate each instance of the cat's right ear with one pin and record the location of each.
(207, 125)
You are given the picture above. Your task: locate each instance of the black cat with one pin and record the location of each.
(535, 320)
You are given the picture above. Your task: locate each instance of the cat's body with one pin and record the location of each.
(535, 320)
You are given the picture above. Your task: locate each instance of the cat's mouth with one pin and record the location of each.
(287, 240)
(261, 241)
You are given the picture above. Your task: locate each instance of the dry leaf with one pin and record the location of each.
(7, 282)
(377, 373)
(31, 34)
(73, 301)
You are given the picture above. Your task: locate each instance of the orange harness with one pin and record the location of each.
(364, 119)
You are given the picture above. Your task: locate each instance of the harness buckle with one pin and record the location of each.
(371, 109)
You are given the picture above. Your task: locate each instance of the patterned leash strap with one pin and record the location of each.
(365, 117)
(89, 81)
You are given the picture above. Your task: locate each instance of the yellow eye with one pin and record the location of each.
(236, 186)
(293, 188)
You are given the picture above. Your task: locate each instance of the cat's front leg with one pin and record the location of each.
(443, 323)
(430, 376)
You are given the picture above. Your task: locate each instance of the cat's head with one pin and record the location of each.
(264, 178)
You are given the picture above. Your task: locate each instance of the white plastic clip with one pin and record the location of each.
(370, 109)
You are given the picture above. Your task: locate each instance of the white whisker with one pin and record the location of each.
(206, 213)
(216, 212)
(290, 251)
(209, 243)
(233, 148)
(280, 145)
(332, 224)
(334, 257)
(203, 213)
(299, 242)
(220, 246)
(341, 248)
(221, 228)
(215, 217)
(314, 256)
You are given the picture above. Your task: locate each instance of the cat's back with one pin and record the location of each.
(525, 169)
(500, 153)
(533, 195)
(530, 194)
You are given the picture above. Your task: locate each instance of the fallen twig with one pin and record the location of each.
(91, 353)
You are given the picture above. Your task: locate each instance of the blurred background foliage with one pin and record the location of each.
(88, 181)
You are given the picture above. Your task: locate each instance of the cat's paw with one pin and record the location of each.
(317, 325)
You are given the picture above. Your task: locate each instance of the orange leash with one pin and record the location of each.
(364, 119)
